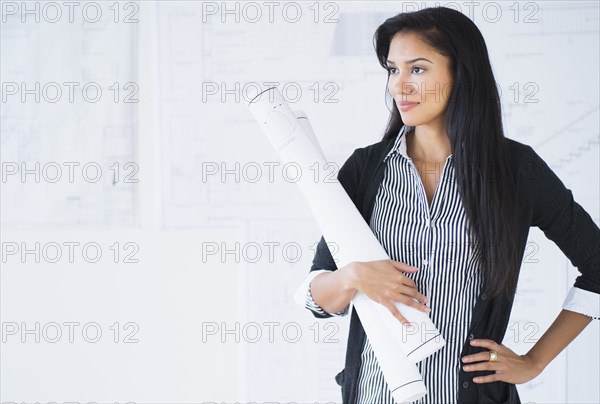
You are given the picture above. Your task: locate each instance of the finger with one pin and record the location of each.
(478, 357)
(405, 280)
(414, 293)
(409, 301)
(488, 379)
(408, 282)
(476, 367)
(396, 313)
(420, 306)
(401, 266)
(486, 343)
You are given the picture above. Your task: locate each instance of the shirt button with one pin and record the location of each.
(471, 336)
(483, 296)
(465, 385)
(425, 262)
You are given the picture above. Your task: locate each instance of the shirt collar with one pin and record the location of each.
(399, 145)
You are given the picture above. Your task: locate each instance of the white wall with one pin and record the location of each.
(190, 74)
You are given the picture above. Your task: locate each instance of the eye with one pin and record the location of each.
(393, 70)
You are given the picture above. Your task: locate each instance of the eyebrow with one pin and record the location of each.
(410, 61)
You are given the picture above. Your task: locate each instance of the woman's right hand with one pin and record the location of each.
(383, 281)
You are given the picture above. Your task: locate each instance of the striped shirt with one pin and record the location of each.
(435, 240)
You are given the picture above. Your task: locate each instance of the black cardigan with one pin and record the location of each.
(544, 201)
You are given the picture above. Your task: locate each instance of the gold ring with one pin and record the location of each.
(493, 356)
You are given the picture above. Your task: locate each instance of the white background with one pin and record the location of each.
(187, 319)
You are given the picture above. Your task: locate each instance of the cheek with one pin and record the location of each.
(392, 85)
(446, 92)
(435, 93)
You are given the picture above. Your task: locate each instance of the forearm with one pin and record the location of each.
(333, 291)
(563, 330)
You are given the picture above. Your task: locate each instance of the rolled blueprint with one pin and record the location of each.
(397, 348)
(305, 123)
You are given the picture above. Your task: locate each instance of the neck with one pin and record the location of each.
(428, 144)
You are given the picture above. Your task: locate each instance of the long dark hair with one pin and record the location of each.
(474, 126)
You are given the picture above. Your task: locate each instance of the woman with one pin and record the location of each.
(452, 200)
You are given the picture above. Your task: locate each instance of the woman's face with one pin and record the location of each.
(426, 81)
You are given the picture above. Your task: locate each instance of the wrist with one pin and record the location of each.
(350, 281)
(537, 364)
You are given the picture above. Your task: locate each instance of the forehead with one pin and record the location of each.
(409, 43)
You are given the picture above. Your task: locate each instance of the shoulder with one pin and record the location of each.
(527, 164)
(370, 154)
(520, 152)
(533, 174)
(359, 167)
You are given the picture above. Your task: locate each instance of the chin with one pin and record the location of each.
(410, 121)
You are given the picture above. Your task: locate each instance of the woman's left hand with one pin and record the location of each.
(509, 367)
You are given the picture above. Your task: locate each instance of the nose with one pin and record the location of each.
(403, 87)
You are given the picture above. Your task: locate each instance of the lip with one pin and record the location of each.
(405, 106)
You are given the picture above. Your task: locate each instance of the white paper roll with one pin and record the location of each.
(305, 123)
(396, 347)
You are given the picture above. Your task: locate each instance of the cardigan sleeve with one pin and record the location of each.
(349, 177)
(573, 230)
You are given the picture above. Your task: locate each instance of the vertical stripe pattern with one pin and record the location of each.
(435, 240)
